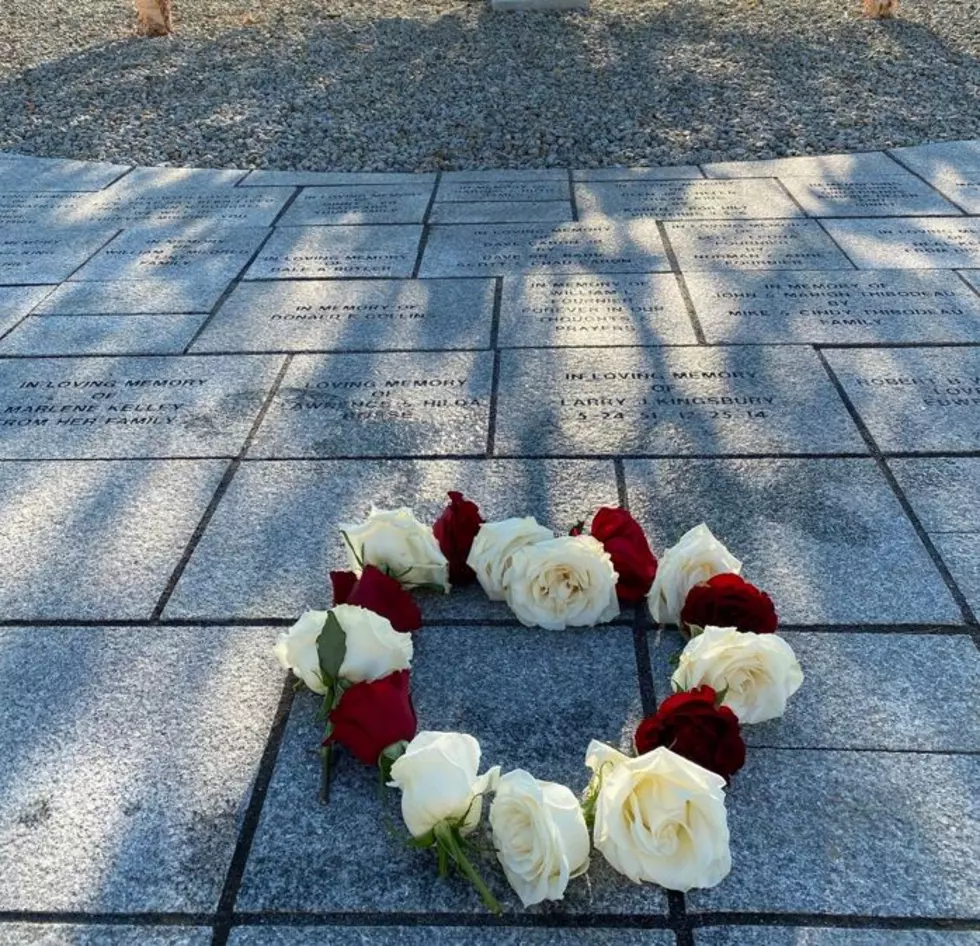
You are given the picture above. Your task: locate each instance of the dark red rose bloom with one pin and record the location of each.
(730, 601)
(372, 716)
(455, 531)
(692, 726)
(622, 537)
(379, 593)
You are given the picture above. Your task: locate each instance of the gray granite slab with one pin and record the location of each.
(377, 405)
(336, 178)
(864, 166)
(17, 301)
(46, 209)
(674, 200)
(941, 158)
(943, 491)
(676, 401)
(131, 407)
(505, 176)
(972, 276)
(273, 539)
(811, 832)
(457, 935)
(914, 399)
(129, 755)
(188, 252)
(678, 172)
(592, 310)
(512, 211)
(395, 203)
(370, 869)
(961, 190)
(337, 252)
(843, 197)
(499, 250)
(136, 296)
(829, 936)
(825, 538)
(353, 314)
(57, 174)
(102, 335)
(149, 180)
(888, 305)
(98, 540)
(489, 189)
(220, 206)
(63, 934)
(868, 691)
(961, 553)
(30, 255)
(789, 244)
(909, 243)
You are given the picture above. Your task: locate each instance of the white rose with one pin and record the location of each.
(540, 835)
(697, 557)
(564, 582)
(296, 649)
(438, 781)
(758, 673)
(660, 818)
(374, 648)
(396, 540)
(494, 545)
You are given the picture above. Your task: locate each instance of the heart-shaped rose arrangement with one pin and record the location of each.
(658, 816)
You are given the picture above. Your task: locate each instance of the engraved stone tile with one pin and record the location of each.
(870, 165)
(827, 539)
(56, 174)
(678, 172)
(376, 405)
(677, 200)
(102, 335)
(129, 755)
(131, 407)
(678, 401)
(562, 311)
(632, 246)
(946, 158)
(457, 935)
(914, 399)
(274, 538)
(17, 301)
(489, 211)
(508, 190)
(188, 252)
(353, 315)
(909, 243)
(842, 197)
(830, 936)
(962, 191)
(961, 553)
(289, 857)
(333, 252)
(972, 276)
(811, 830)
(148, 180)
(333, 178)
(96, 540)
(136, 296)
(92, 934)
(789, 244)
(890, 305)
(398, 203)
(60, 211)
(31, 255)
(506, 176)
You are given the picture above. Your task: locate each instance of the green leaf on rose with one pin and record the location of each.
(331, 648)
(389, 756)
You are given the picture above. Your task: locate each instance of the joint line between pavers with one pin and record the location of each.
(125, 173)
(571, 196)
(969, 285)
(436, 184)
(958, 596)
(282, 210)
(29, 313)
(675, 268)
(819, 222)
(677, 918)
(376, 919)
(925, 180)
(492, 412)
(789, 194)
(91, 256)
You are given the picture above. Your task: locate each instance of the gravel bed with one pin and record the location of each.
(437, 84)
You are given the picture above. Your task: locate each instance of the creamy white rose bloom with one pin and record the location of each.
(296, 649)
(540, 835)
(494, 545)
(697, 557)
(565, 582)
(757, 672)
(374, 648)
(396, 540)
(438, 779)
(660, 818)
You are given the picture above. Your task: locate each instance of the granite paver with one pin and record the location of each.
(57, 174)
(459, 935)
(910, 243)
(35, 256)
(102, 335)
(395, 203)
(17, 301)
(64, 934)
(144, 296)
(830, 936)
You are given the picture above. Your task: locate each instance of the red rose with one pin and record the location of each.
(728, 600)
(622, 537)
(379, 593)
(455, 531)
(372, 716)
(692, 726)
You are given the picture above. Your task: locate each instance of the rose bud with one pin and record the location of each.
(728, 600)
(455, 531)
(691, 725)
(379, 593)
(370, 717)
(623, 538)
